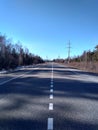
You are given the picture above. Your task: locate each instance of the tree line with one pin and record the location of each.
(14, 55)
(87, 56)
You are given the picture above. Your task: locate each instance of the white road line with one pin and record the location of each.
(52, 82)
(51, 90)
(52, 68)
(14, 78)
(50, 124)
(9, 80)
(50, 106)
(51, 96)
(51, 86)
(51, 76)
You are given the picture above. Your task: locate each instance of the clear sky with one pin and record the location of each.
(46, 26)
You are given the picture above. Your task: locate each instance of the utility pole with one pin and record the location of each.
(69, 51)
(46, 58)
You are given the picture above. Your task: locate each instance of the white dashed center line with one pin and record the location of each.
(50, 106)
(51, 96)
(50, 124)
(51, 81)
(51, 90)
(51, 77)
(51, 86)
(50, 120)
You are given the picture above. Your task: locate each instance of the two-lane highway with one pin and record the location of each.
(49, 97)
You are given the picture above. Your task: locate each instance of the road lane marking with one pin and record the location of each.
(9, 80)
(52, 77)
(51, 82)
(52, 67)
(51, 90)
(13, 78)
(50, 106)
(17, 77)
(51, 86)
(51, 96)
(50, 120)
(50, 124)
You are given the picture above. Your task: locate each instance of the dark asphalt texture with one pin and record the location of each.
(24, 102)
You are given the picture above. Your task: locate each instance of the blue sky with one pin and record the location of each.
(46, 26)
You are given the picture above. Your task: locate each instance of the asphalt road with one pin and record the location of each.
(49, 97)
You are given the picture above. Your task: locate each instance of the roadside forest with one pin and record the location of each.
(87, 61)
(15, 55)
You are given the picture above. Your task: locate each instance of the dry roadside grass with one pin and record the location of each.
(86, 66)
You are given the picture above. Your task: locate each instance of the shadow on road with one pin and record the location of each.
(27, 92)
